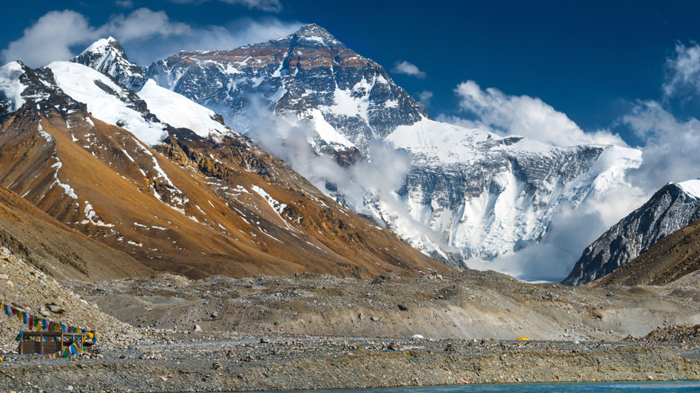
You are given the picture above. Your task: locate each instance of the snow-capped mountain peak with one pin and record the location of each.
(482, 194)
(107, 56)
(308, 74)
(314, 35)
(104, 45)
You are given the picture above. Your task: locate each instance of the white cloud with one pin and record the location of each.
(50, 38)
(142, 24)
(683, 72)
(424, 97)
(263, 5)
(523, 115)
(406, 68)
(125, 3)
(671, 146)
(54, 34)
(145, 34)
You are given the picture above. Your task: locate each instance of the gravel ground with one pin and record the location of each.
(167, 361)
(170, 334)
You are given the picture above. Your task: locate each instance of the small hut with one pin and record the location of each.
(50, 342)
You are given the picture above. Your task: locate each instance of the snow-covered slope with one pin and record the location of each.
(671, 208)
(112, 103)
(10, 87)
(489, 195)
(108, 101)
(691, 187)
(181, 112)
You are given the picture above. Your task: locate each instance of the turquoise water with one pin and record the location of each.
(614, 387)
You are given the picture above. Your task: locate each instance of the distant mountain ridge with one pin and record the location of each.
(673, 207)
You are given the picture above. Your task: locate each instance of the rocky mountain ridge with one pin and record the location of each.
(673, 261)
(673, 207)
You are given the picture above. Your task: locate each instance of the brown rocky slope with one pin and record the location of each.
(202, 207)
(55, 249)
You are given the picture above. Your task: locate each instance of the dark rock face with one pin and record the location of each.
(39, 92)
(669, 210)
(307, 71)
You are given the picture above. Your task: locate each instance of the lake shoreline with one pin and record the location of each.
(167, 362)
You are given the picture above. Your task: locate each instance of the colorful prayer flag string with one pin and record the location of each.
(38, 324)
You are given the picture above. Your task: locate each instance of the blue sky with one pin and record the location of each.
(591, 60)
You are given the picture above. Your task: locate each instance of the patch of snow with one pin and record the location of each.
(691, 187)
(314, 38)
(326, 131)
(180, 112)
(78, 81)
(93, 218)
(275, 204)
(68, 190)
(347, 104)
(45, 134)
(10, 84)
